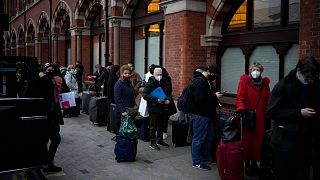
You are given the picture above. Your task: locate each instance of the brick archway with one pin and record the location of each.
(41, 38)
(30, 38)
(21, 41)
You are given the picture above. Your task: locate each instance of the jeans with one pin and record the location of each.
(202, 138)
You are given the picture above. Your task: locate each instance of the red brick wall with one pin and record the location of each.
(31, 50)
(86, 55)
(44, 52)
(309, 35)
(73, 49)
(183, 51)
(20, 51)
(61, 56)
(125, 46)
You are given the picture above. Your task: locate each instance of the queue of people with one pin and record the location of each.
(293, 107)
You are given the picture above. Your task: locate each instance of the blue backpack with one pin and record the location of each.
(185, 100)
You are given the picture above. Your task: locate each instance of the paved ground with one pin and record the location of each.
(86, 153)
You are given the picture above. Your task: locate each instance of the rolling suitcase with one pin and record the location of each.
(86, 96)
(230, 160)
(114, 119)
(99, 109)
(143, 130)
(125, 149)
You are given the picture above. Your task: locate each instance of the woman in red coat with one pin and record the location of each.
(249, 89)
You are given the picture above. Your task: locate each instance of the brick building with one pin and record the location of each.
(178, 34)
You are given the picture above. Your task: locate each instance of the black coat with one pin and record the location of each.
(292, 131)
(152, 102)
(204, 101)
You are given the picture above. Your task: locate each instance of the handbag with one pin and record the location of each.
(127, 127)
(249, 116)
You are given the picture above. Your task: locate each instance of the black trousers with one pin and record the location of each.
(156, 125)
(55, 138)
(292, 165)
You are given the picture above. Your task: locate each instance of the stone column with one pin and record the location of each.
(116, 48)
(55, 47)
(79, 44)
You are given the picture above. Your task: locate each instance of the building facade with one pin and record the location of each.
(177, 34)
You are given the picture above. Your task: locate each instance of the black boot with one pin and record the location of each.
(52, 168)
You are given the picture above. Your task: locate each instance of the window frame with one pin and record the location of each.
(280, 37)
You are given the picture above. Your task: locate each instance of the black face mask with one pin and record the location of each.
(212, 77)
(49, 74)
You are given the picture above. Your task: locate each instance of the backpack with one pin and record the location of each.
(185, 100)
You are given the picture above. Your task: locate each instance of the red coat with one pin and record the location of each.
(247, 98)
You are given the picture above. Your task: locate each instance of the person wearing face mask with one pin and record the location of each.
(295, 108)
(156, 107)
(51, 85)
(124, 93)
(253, 94)
(71, 81)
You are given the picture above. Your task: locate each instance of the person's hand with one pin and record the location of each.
(124, 113)
(166, 102)
(160, 101)
(308, 112)
(219, 94)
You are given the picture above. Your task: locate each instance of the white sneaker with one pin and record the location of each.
(164, 136)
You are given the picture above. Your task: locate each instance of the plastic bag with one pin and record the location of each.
(127, 127)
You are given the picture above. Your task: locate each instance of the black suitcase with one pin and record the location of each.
(99, 109)
(86, 96)
(143, 130)
(180, 131)
(114, 119)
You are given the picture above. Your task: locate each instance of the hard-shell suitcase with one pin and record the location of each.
(114, 119)
(230, 160)
(143, 130)
(99, 109)
(86, 96)
(125, 149)
(180, 133)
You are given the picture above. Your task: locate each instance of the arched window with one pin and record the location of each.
(265, 31)
(255, 14)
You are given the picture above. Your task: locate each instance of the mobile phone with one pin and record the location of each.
(224, 92)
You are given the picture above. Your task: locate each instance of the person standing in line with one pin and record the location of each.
(112, 79)
(253, 94)
(202, 115)
(135, 79)
(295, 108)
(156, 108)
(50, 88)
(123, 92)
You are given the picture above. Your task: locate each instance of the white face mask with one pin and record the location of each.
(158, 78)
(301, 78)
(255, 74)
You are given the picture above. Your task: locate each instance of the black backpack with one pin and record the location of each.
(185, 100)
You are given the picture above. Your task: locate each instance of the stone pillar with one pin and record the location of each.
(37, 50)
(61, 49)
(55, 47)
(79, 44)
(30, 49)
(116, 48)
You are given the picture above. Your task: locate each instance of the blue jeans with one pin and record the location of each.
(202, 138)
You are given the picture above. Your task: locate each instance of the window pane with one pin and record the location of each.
(139, 51)
(153, 6)
(238, 21)
(291, 59)
(232, 66)
(153, 50)
(294, 11)
(266, 13)
(269, 59)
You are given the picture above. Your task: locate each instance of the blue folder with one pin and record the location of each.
(158, 93)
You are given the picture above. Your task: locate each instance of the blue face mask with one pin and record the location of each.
(301, 78)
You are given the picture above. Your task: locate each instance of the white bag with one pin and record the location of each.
(143, 110)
